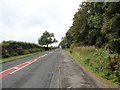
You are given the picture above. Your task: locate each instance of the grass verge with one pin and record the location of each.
(17, 57)
(95, 61)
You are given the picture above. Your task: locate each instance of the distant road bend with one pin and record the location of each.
(53, 69)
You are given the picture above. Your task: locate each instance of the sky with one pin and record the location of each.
(27, 20)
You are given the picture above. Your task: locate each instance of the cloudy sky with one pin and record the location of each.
(26, 20)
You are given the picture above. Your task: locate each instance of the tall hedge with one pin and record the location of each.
(14, 48)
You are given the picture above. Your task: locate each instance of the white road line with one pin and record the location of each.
(16, 68)
(28, 63)
(19, 69)
(6, 70)
(14, 71)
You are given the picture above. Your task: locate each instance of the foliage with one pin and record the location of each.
(99, 61)
(95, 24)
(14, 48)
(114, 45)
(46, 39)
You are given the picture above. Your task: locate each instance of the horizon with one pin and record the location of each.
(26, 20)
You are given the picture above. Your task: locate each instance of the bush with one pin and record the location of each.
(113, 46)
(14, 48)
(117, 73)
(5, 54)
(15, 53)
(99, 61)
(20, 51)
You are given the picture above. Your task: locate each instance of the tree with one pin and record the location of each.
(95, 23)
(47, 38)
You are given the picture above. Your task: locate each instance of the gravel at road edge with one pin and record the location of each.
(73, 76)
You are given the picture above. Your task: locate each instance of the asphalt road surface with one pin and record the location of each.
(53, 69)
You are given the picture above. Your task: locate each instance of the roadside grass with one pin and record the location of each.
(95, 61)
(17, 57)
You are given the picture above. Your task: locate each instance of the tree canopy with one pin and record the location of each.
(95, 23)
(47, 38)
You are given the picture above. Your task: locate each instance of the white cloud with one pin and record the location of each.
(26, 20)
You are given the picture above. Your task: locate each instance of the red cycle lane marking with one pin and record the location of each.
(18, 67)
(21, 65)
(3, 74)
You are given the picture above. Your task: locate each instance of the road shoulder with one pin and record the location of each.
(73, 76)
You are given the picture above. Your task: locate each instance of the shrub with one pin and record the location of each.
(15, 53)
(14, 48)
(99, 61)
(20, 51)
(5, 54)
(113, 46)
(117, 73)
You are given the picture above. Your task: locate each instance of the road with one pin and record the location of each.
(53, 69)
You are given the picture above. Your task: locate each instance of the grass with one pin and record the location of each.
(17, 57)
(95, 61)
